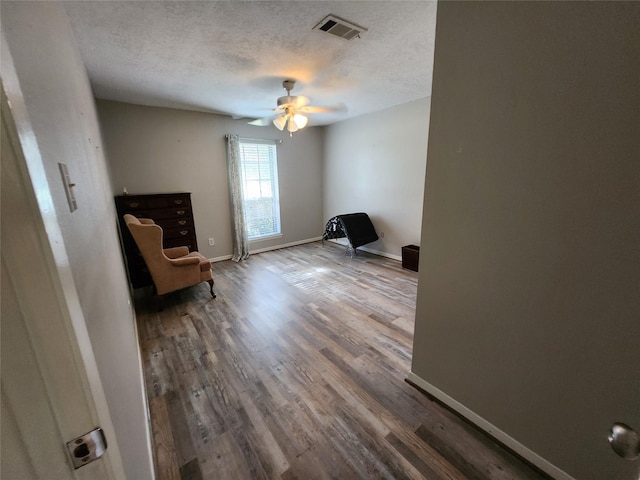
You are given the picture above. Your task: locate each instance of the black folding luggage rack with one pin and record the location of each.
(355, 227)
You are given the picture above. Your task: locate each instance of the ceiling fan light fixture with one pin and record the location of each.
(280, 121)
(291, 125)
(292, 111)
(300, 120)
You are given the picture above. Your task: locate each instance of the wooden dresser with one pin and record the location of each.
(172, 211)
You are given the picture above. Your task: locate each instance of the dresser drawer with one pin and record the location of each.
(169, 201)
(161, 213)
(186, 232)
(178, 212)
(180, 242)
(137, 203)
(132, 204)
(175, 223)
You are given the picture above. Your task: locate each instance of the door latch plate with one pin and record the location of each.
(87, 448)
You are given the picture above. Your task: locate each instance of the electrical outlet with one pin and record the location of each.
(212, 242)
(381, 234)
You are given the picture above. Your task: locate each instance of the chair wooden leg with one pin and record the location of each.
(210, 282)
(160, 302)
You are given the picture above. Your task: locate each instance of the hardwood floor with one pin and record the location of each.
(296, 371)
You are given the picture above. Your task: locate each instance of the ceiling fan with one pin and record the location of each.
(292, 111)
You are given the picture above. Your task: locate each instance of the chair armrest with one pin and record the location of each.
(146, 221)
(176, 252)
(184, 261)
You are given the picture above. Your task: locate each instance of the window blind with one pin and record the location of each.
(259, 173)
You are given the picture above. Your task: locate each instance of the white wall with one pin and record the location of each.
(60, 106)
(153, 150)
(375, 164)
(529, 287)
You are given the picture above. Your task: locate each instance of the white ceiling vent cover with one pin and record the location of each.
(340, 28)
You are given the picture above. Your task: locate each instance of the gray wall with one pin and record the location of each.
(152, 150)
(61, 109)
(376, 163)
(529, 287)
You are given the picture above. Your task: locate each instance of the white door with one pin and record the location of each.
(50, 388)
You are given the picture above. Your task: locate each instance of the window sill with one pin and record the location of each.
(265, 238)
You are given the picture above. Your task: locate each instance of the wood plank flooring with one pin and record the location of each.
(296, 371)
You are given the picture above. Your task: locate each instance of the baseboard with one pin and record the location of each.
(220, 259)
(290, 244)
(381, 254)
(310, 240)
(267, 249)
(489, 428)
(344, 242)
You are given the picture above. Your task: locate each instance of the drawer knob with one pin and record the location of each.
(184, 232)
(134, 204)
(177, 201)
(182, 222)
(180, 212)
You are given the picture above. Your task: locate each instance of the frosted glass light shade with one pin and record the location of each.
(300, 120)
(280, 121)
(293, 122)
(291, 125)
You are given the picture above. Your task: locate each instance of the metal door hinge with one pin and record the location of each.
(68, 187)
(87, 448)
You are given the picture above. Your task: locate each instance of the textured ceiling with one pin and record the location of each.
(230, 57)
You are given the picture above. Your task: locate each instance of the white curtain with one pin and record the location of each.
(239, 230)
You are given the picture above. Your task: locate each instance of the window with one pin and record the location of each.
(261, 199)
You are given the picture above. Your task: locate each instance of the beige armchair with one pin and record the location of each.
(171, 268)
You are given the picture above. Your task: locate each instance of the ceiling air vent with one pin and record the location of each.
(339, 27)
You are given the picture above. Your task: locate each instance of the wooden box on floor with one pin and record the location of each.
(410, 257)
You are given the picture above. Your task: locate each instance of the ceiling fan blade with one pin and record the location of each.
(312, 109)
(300, 101)
(261, 122)
(291, 110)
(291, 101)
